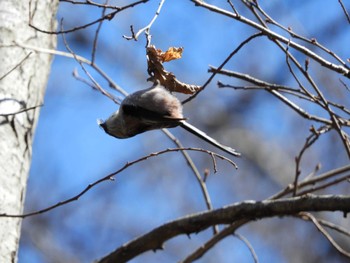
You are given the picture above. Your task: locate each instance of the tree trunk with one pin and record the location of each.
(23, 78)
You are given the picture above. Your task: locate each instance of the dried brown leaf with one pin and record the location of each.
(155, 59)
(171, 54)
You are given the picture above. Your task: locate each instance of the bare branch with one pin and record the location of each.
(94, 46)
(93, 86)
(20, 111)
(111, 177)
(293, 34)
(250, 247)
(108, 16)
(16, 66)
(222, 65)
(95, 83)
(199, 252)
(250, 210)
(329, 225)
(195, 171)
(146, 28)
(289, 103)
(233, 7)
(271, 34)
(326, 234)
(344, 10)
(312, 181)
(325, 185)
(91, 3)
(344, 84)
(80, 59)
(309, 142)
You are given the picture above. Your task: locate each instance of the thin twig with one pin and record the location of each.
(330, 225)
(201, 182)
(344, 84)
(92, 85)
(325, 185)
(273, 35)
(288, 102)
(314, 172)
(146, 28)
(222, 65)
(263, 85)
(233, 7)
(214, 163)
(111, 177)
(322, 101)
(301, 86)
(250, 247)
(91, 3)
(311, 181)
(20, 111)
(78, 58)
(281, 88)
(94, 46)
(326, 234)
(200, 251)
(97, 86)
(310, 140)
(344, 10)
(295, 35)
(108, 16)
(16, 66)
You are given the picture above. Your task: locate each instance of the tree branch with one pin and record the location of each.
(108, 16)
(111, 177)
(271, 34)
(146, 28)
(250, 210)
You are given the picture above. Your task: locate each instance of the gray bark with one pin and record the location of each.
(23, 78)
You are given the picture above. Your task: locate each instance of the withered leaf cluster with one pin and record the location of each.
(155, 60)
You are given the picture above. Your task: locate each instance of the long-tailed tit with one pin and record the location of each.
(150, 109)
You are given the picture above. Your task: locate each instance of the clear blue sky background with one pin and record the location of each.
(70, 151)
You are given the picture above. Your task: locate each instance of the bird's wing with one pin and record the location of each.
(149, 115)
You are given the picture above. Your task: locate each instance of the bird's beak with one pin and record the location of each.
(102, 124)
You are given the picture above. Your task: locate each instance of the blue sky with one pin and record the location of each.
(70, 151)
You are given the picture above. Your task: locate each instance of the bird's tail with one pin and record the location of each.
(207, 138)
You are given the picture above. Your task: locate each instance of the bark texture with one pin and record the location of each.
(23, 78)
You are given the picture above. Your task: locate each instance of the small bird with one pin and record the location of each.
(150, 109)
